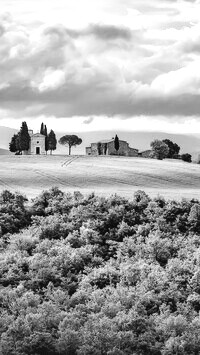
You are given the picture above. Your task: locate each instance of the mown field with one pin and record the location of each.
(103, 175)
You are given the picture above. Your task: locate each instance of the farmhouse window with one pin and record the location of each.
(38, 142)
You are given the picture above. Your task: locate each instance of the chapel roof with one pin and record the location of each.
(109, 141)
(38, 135)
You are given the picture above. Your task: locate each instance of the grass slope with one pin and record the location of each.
(4, 152)
(103, 175)
(6, 134)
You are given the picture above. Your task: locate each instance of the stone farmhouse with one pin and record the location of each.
(107, 147)
(37, 144)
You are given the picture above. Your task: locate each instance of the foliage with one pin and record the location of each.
(186, 157)
(46, 139)
(70, 141)
(20, 141)
(51, 141)
(43, 130)
(13, 212)
(24, 138)
(160, 149)
(173, 148)
(99, 149)
(96, 275)
(116, 143)
(13, 145)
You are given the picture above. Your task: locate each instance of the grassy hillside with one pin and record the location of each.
(4, 152)
(103, 175)
(6, 134)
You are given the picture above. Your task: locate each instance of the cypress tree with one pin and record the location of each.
(42, 128)
(52, 141)
(46, 139)
(116, 143)
(18, 144)
(24, 138)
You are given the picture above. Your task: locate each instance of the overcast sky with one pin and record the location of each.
(81, 65)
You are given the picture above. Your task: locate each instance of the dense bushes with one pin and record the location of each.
(94, 275)
(13, 213)
(186, 157)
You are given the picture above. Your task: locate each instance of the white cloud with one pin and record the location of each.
(52, 79)
(100, 58)
(185, 80)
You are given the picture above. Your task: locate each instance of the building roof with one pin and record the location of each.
(146, 151)
(105, 141)
(108, 141)
(38, 135)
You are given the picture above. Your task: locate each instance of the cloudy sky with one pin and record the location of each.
(81, 65)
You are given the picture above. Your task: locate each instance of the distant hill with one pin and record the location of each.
(6, 134)
(4, 152)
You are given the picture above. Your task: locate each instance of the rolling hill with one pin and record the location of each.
(6, 134)
(4, 152)
(103, 175)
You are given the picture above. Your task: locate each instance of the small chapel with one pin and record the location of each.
(37, 143)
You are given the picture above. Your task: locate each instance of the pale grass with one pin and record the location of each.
(103, 175)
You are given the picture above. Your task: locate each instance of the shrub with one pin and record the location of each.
(186, 157)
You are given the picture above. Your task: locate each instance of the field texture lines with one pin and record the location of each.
(103, 175)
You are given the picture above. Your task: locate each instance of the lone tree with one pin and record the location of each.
(116, 143)
(160, 149)
(173, 148)
(52, 141)
(70, 141)
(24, 138)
